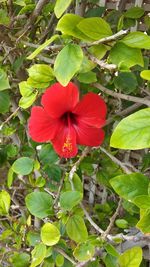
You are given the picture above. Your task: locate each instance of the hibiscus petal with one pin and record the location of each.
(65, 142)
(91, 110)
(41, 127)
(88, 135)
(59, 99)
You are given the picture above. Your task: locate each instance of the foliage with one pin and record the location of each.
(93, 209)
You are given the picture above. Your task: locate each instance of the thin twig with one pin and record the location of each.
(103, 64)
(143, 101)
(66, 256)
(9, 118)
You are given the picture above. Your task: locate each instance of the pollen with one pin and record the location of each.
(67, 147)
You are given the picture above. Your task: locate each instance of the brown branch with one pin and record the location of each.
(103, 64)
(62, 252)
(143, 101)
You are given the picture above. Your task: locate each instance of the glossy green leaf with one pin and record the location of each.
(41, 73)
(126, 82)
(25, 89)
(95, 28)
(76, 229)
(50, 234)
(145, 74)
(38, 254)
(4, 202)
(143, 202)
(133, 131)
(10, 177)
(121, 223)
(111, 250)
(27, 101)
(131, 257)
(68, 25)
(98, 51)
(134, 12)
(86, 65)
(59, 260)
(23, 166)
(4, 102)
(144, 223)
(37, 84)
(61, 6)
(125, 57)
(39, 204)
(137, 40)
(68, 59)
(88, 77)
(43, 46)
(129, 186)
(4, 82)
(84, 252)
(70, 199)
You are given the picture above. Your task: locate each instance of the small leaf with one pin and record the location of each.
(145, 74)
(84, 252)
(4, 82)
(4, 202)
(133, 132)
(126, 82)
(125, 57)
(59, 260)
(20, 259)
(121, 223)
(4, 18)
(50, 234)
(23, 166)
(61, 6)
(70, 199)
(43, 46)
(4, 102)
(27, 101)
(134, 12)
(76, 229)
(111, 250)
(88, 77)
(25, 89)
(144, 224)
(131, 257)
(41, 73)
(38, 254)
(143, 202)
(137, 40)
(68, 59)
(129, 186)
(95, 28)
(39, 204)
(10, 177)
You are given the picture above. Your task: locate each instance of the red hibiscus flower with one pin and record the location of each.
(67, 121)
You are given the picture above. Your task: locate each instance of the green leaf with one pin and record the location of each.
(133, 132)
(145, 74)
(50, 234)
(47, 154)
(41, 73)
(27, 101)
(129, 186)
(126, 82)
(10, 177)
(20, 260)
(4, 102)
(43, 46)
(39, 204)
(143, 202)
(144, 224)
(23, 166)
(25, 89)
(88, 77)
(121, 223)
(137, 40)
(68, 59)
(68, 25)
(131, 257)
(86, 65)
(4, 82)
(134, 12)
(111, 250)
(98, 51)
(37, 84)
(4, 19)
(59, 260)
(61, 6)
(125, 57)
(84, 252)
(4, 202)
(95, 28)
(70, 199)
(76, 229)
(38, 254)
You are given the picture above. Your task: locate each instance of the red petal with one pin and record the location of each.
(88, 135)
(59, 99)
(65, 142)
(91, 110)
(41, 127)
